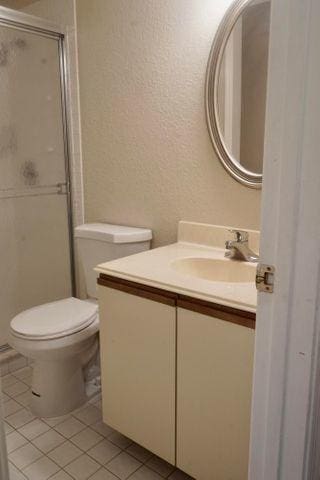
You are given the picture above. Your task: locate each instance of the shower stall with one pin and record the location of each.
(36, 256)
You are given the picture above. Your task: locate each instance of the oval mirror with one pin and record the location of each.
(236, 88)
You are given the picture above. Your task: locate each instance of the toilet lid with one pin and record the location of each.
(55, 319)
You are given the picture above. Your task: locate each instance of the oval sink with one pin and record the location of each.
(216, 270)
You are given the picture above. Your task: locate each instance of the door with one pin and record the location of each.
(138, 362)
(34, 183)
(214, 384)
(285, 434)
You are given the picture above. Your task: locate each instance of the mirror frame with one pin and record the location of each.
(233, 167)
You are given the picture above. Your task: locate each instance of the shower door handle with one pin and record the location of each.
(56, 189)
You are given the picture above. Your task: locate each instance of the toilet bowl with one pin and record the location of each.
(62, 336)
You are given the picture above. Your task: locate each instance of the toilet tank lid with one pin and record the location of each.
(106, 232)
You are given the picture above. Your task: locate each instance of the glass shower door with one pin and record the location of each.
(35, 259)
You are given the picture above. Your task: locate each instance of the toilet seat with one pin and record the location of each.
(54, 320)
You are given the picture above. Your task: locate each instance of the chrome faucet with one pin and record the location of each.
(238, 249)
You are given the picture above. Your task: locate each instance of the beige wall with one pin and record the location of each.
(147, 155)
(57, 11)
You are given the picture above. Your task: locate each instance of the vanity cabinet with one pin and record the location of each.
(177, 376)
(138, 365)
(214, 378)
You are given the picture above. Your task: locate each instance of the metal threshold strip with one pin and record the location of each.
(57, 189)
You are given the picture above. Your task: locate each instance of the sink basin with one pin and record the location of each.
(230, 271)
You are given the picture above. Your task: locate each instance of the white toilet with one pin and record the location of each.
(62, 337)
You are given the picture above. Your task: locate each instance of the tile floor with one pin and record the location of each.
(76, 446)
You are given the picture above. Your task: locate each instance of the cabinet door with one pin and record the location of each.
(137, 338)
(214, 381)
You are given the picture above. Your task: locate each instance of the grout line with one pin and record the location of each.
(101, 468)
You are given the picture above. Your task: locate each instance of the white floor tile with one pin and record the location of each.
(27, 380)
(15, 388)
(160, 466)
(61, 476)
(18, 363)
(65, 453)
(15, 474)
(104, 452)
(123, 465)
(10, 407)
(23, 373)
(144, 473)
(54, 421)
(48, 441)
(102, 428)
(70, 427)
(178, 475)
(7, 428)
(42, 469)
(24, 456)
(139, 452)
(103, 474)
(4, 369)
(14, 441)
(120, 440)
(34, 429)
(24, 398)
(82, 468)
(8, 380)
(88, 415)
(95, 399)
(5, 397)
(20, 418)
(86, 439)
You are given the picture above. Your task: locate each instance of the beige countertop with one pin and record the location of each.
(154, 268)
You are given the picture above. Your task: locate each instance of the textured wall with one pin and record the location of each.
(57, 11)
(148, 159)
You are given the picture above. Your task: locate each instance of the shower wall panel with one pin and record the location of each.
(34, 228)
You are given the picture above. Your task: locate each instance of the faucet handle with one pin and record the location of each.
(241, 236)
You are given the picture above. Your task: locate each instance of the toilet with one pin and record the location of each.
(62, 336)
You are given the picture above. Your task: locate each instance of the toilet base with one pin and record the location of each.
(58, 387)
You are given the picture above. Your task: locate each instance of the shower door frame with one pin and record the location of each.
(35, 25)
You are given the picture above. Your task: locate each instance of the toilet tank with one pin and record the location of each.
(101, 242)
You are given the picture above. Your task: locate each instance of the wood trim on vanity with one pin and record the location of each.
(138, 289)
(228, 314)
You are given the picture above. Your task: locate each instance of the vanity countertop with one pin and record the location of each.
(154, 267)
